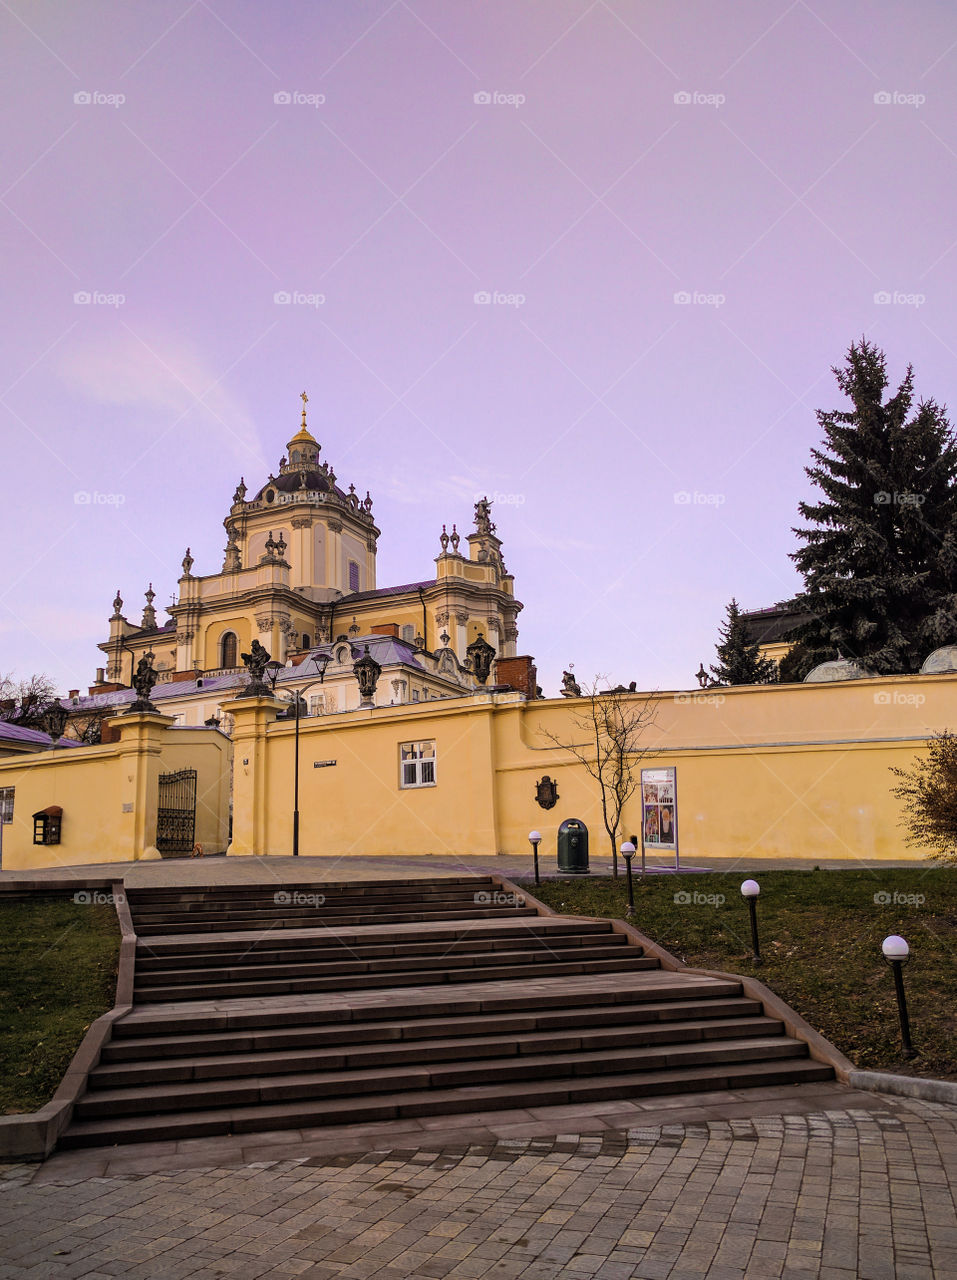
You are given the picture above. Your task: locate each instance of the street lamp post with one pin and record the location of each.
(628, 852)
(750, 890)
(897, 953)
(320, 661)
(535, 839)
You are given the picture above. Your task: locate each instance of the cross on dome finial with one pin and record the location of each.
(305, 400)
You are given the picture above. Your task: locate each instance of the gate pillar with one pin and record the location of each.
(141, 739)
(251, 718)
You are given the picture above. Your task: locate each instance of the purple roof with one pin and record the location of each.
(19, 733)
(387, 591)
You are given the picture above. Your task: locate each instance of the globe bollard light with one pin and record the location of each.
(628, 852)
(750, 890)
(897, 953)
(535, 839)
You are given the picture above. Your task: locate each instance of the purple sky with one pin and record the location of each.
(782, 198)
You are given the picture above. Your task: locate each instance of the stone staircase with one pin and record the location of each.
(262, 1008)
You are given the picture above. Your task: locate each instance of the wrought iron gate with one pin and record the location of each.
(176, 817)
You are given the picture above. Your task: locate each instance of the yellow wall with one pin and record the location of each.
(795, 771)
(108, 794)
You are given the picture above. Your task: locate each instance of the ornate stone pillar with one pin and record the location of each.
(251, 717)
(303, 567)
(141, 741)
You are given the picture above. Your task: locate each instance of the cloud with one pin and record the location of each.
(163, 377)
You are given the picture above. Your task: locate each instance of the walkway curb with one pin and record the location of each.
(944, 1091)
(34, 1134)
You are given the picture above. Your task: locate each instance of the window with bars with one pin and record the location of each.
(6, 803)
(417, 764)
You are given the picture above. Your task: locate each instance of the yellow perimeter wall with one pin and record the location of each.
(790, 771)
(109, 794)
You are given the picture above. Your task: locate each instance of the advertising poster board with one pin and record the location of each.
(659, 811)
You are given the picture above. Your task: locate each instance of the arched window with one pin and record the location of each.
(228, 650)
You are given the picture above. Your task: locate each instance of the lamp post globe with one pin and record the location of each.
(535, 839)
(895, 947)
(750, 890)
(628, 852)
(897, 953)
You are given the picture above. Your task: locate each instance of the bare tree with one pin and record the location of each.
(928, 790)
(24, 702)
(613, 724)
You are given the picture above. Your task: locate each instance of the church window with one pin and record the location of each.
(417, 764)
(353, 576)
(306, 640)
(228, 650)
(408, 633)
(270, 495)
(294, 456)
(317, 704)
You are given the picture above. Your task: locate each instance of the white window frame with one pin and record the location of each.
(417, 768)
(317, 704)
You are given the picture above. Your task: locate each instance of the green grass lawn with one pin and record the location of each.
(58, 964)
(820, 935)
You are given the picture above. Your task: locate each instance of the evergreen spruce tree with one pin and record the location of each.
(879, 558)
(739, 660)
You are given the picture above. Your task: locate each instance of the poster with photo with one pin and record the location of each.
(659, 817)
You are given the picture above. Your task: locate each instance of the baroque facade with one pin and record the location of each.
(299, 575)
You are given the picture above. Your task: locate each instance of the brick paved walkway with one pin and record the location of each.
(838, 1194)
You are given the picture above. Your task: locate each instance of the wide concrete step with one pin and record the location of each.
(548, 994)
(343, 1082)
(284, 918)
(147, 897)
(268, 948)
(319, 1112)
(153, 1050)
(221, 1066)
(375, 978)
(349, 959)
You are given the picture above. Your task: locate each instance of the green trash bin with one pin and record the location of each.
(573, 847)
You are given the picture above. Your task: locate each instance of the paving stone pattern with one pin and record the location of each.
(839, 1194)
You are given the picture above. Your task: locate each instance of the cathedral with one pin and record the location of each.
(299, 576)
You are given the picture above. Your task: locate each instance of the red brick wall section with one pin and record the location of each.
(519, 673)
(385, 629)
